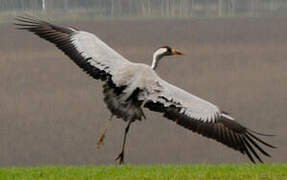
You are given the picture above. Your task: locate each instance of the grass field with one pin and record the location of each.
(238, 171)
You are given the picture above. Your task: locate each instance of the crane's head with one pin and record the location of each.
(161, 52)
(168, 51)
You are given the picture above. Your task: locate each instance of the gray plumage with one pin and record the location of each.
(130, 87)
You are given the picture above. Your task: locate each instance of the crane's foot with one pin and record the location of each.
(102, 137)
(101, 140)
(120, 158)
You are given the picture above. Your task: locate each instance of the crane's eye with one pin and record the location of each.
(168, 50)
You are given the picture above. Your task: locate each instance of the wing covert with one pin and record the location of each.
(190, 105)
(203, 118)
(84, 48)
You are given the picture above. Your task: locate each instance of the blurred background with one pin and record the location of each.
(52, 113)
(91, 9)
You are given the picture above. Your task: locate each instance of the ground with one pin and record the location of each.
(190, 172)
(52, 113)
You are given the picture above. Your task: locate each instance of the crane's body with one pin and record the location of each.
(130, 87)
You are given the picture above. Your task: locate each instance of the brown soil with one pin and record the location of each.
(52, 113)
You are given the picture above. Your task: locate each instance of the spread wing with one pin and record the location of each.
(203, 118)
(85, 49)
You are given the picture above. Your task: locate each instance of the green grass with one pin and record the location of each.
(182, 172)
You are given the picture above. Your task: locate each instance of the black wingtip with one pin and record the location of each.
(261, 134)
(28, 17)
(257, 146)
(261, 141)
(28, 21)
(252, 150)
(24, 22)
(251, 145)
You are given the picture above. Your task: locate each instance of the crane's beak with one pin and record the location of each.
(175, 52)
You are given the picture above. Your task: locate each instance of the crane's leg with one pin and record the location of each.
(102, 137)
(121, 156)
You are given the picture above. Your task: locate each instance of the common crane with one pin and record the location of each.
(130, 87)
